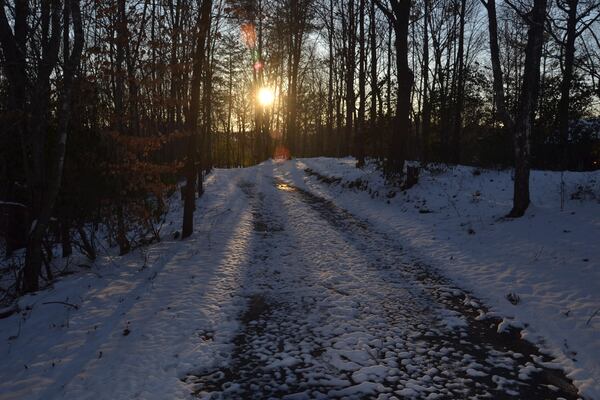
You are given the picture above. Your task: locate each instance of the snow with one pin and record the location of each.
(549, 258)
(169, 309)
(283, 293)
(475, 373)
(12, 203)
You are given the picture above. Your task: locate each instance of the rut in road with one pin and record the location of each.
(341, 312)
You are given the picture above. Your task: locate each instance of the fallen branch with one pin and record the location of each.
(7, 312)
(63, 303)
(592, 316)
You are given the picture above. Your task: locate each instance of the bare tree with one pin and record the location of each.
(577, 22)
(398, 14)
(191, 167)
(535, 19)
(498, 79)
(460, 86)
(362, 83)
(44, 183)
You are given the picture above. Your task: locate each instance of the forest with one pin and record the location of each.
(106, 105)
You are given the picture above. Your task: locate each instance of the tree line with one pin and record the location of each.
(107, 105)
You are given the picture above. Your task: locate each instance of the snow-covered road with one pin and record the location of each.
(337, 310)
(280, 293)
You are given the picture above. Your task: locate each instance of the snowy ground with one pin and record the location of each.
(452, 220)
(281, 291)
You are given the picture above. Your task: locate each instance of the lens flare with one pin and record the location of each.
(265, 96)
(249, 35)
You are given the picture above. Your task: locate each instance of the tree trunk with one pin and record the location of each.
(88, 244)
(562, 118)
(350, 66)
(331, 61)
(362, 97)
(426, 116)
(65, 238)
(295, 40)
(498, 83)
(122, 239)
(34, 259)
(374, 83)
(460, 85)
(42, 200)
(14, 52)
(399, 18)
(120, 114)
(404, 88)
(191, 167)
(527, 105)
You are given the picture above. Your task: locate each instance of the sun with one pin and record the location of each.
(265, 96)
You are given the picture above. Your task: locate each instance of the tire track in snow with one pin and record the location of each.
(483, 337)
(337, 312)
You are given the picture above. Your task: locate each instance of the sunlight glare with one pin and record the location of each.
(266, 96)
